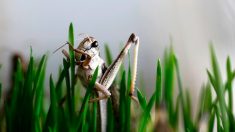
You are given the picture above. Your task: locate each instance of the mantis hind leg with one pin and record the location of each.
(103, 90)
(113, 69)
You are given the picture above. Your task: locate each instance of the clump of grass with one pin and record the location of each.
(24, 109)
(71, 111)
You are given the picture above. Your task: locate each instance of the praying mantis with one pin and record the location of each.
(87, 59)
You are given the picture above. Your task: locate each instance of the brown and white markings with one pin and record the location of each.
(87, 59)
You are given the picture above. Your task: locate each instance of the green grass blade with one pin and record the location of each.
(229, 84)
(168, 88)
(68, 86)
(39, 85)
(211, 121)
(60, 82)
(188, 103)
(84, 107)
(150, 104)
(51, 121)
(231, 120)
(211, 78)
(111, 122)
(158, 84)
(219, 89)
(0, 91)
(72, 65)
(146, 114)
(128, 99)
(71, 35)
(108, 55)
(39, 93)
(29, 77)
(205, 101)
(188, 123)
(123, 102)
(38, 74)
(142, 100)
(27, 98)
(217, 113)
(12, 104)
(93, 115)
(175, 116)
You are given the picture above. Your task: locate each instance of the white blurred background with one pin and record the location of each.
(192, 24)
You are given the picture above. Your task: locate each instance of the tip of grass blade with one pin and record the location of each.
(158, 83)
(108, 55)
(71, 34)
(142, 99)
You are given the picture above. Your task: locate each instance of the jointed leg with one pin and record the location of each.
(66, 54)
(134, 72)
(102, 89)
(111, 72)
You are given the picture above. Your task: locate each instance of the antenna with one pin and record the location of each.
(62, 47)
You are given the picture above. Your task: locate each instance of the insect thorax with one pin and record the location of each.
(85, 75)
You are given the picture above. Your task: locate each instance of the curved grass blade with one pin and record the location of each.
(146, 114)
(188, 122)
(84, 107)
(219, 89)
(39, 89)
(142, 100)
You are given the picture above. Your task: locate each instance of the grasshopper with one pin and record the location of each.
(87, 59)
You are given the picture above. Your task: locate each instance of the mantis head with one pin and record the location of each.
(87, 49)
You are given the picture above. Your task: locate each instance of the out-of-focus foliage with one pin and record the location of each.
(70, 110)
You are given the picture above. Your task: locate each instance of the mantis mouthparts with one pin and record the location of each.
(82, 52)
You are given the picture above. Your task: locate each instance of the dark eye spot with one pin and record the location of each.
(83, 57)
(94, 44)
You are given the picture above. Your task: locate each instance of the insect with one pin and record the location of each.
(87, 59)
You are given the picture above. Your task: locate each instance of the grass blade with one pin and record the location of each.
(211, 121)
(128, 99)
(229, 84)
(158, 89)
(51, 121)
(142, 100)
(219, 89)
(188, 123)
(108, 55)
(123, 102)
(39, 89)
(111, 121)
(84, 107)
(168, 88)
(72, 65)
(94, 123)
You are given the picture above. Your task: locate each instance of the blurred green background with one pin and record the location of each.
(188, 25)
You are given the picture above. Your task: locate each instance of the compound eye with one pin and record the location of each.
(83, 58)
(94, 44)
